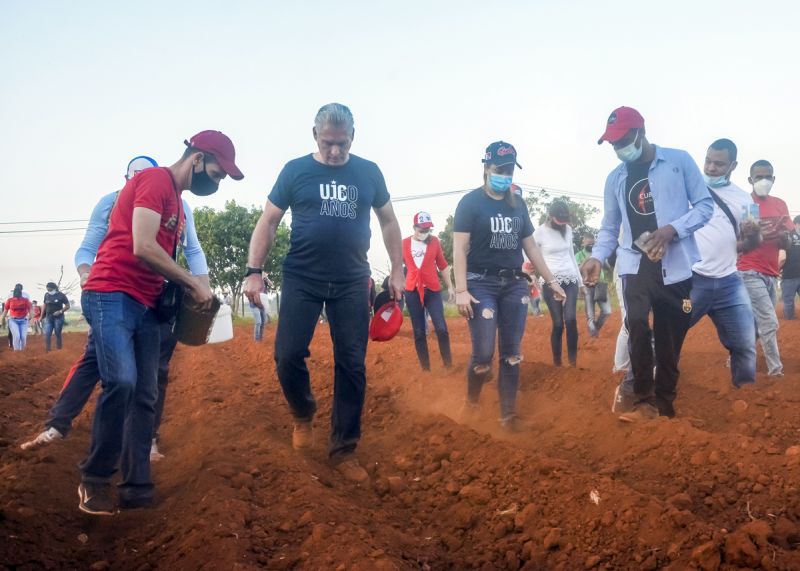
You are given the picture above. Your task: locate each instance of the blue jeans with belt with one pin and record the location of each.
(726, 302)
(347, 307)
(53, 324)
(499, 316)
(125, 334)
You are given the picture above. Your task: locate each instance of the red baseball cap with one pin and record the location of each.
(386, 322)
(621, 120)
(423, 220)
(219, 145)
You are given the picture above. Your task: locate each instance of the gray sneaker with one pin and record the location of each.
(44, 438)
(623, 402)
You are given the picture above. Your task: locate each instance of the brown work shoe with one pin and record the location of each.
(302, 435)
(352, 471)
(640, 413)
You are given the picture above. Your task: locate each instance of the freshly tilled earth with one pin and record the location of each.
(714, 488)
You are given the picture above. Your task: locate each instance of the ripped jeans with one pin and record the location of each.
(499, 316)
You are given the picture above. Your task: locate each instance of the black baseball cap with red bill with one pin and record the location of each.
(621, 120)
(219, 145)
(500, 153)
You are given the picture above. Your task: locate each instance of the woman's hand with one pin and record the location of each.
(464, 303)
(558, 293)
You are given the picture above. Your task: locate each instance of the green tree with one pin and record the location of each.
(225, 237)
(446, 238)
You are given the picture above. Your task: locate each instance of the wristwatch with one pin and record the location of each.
(250, 271)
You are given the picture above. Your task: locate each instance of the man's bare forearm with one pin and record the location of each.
(261, 242)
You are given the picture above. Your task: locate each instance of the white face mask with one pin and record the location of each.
(762, 187)
(630, 153)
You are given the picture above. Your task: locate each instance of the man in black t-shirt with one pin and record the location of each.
(55, 304)
(658, 196)
(331, 193)
(790, 271)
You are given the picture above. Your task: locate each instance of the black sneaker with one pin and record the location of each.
(642, 412)
(96, 499)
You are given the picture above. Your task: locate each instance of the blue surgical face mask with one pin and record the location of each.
(630, 153)
(716, 181)
(499, 182)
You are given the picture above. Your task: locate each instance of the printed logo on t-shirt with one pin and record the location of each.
(505, 232)
(640, 198)
(339, 200)
(171, 223)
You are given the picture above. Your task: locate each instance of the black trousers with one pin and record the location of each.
(671, 306)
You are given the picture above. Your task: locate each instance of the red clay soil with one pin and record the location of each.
(715, 488)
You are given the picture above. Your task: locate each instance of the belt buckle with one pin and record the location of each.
(506, 273)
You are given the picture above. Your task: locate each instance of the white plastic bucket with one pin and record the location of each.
(222, 329)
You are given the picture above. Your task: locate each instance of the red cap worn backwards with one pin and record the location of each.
(621, 120)
(386, 322)
(219, 145)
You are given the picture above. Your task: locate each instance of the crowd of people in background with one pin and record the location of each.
(676, 242)
(22, 315)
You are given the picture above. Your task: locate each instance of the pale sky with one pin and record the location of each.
(85, 86)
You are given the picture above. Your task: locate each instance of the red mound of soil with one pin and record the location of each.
(715, 488)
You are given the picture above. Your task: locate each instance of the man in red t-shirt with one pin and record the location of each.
(759, 267)
(118, 301)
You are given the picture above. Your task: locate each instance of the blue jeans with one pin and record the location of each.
(260, 318)
(595, 324)
(85, 374)
(726, 302)
(347, 309)
(499, 316)
(762, 290)
(53, 325)
(18, 328)
(433, 303)
(789, 289)
(563, 315)
(125, 335)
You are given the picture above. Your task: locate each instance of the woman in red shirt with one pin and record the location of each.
(17, 308)
(423, 256)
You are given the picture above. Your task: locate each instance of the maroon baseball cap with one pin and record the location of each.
(219, 145)
(621, 120)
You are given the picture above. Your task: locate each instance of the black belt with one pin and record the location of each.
(506, 273)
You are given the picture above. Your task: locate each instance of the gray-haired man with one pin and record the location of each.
(330, 193)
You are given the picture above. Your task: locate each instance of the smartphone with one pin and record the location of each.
(753, 211)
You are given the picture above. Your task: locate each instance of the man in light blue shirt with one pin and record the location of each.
(84, 374)
(660, 199)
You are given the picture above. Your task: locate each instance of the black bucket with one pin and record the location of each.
(193, 325)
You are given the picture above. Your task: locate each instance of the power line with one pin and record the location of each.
(39, 230)
(48, 221)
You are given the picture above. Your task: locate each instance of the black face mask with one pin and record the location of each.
(202, 184)
(588, 248)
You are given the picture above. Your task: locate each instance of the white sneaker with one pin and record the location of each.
(43, 439)
(155, 455)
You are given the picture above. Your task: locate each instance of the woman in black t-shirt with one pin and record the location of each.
(492, 227)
